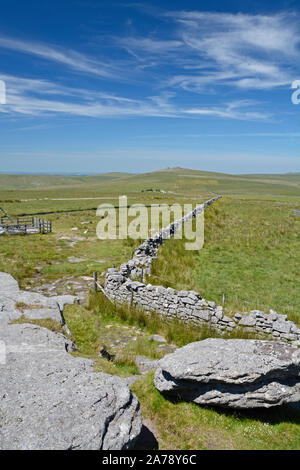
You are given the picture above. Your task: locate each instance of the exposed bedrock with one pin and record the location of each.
(50, 399)
(233, 373)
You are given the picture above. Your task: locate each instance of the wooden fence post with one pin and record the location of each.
(95, 282)
(130, 303)
(223, 299)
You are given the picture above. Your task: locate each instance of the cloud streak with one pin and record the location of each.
(198, 53)
(43, 97)
(238, 50)
(70, 58)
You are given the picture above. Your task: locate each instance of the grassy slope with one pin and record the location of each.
(173, 179)
(251, 253)
(252, 247)
(27, 182)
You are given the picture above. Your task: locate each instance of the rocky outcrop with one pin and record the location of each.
(232, 373)
(50, 399)
(32, 304)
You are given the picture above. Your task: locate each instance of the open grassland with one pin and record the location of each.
(252, 244)
(251, 253)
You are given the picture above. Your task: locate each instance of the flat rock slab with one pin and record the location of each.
(233, 373)
(50, 399)
(158, 339)
(60, 403)
(145, 364)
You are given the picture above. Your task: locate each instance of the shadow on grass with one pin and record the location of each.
(288, 413)
(146, 440)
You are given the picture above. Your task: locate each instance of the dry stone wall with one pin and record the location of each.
(147, 251)
(188, 306)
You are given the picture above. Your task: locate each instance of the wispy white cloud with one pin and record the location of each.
(151, 45)
(42, 97)
(198, 52)
(247, 51)
(211, 49)
(68, 57)
(234, 110)
(37, 97)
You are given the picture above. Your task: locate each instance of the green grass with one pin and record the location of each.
(35, 259)
(178, 425)
(251, 253)
(175, 331)
(187, 426)
(178, 180)
(48, 323)
(85, 328)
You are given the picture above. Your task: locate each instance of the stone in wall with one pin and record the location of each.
(147, 251)
(189, 306)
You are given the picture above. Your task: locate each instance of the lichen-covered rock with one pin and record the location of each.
(232, 373)
(50, 399)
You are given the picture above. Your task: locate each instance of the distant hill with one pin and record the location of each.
(25, 181)
(175, 180)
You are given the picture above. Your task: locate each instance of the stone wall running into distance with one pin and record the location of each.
(122, 286)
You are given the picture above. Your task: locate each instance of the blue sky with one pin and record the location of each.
(98, 86)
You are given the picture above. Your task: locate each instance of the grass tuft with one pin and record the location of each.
(175, 330)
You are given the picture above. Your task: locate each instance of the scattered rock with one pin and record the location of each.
(104, 353)
(145, 364)
(166, 348)
(73, 259)
(158, 339)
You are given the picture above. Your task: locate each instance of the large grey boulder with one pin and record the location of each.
(50, 399)
(232, 373)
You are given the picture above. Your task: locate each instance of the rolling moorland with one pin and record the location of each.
(251, 254)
